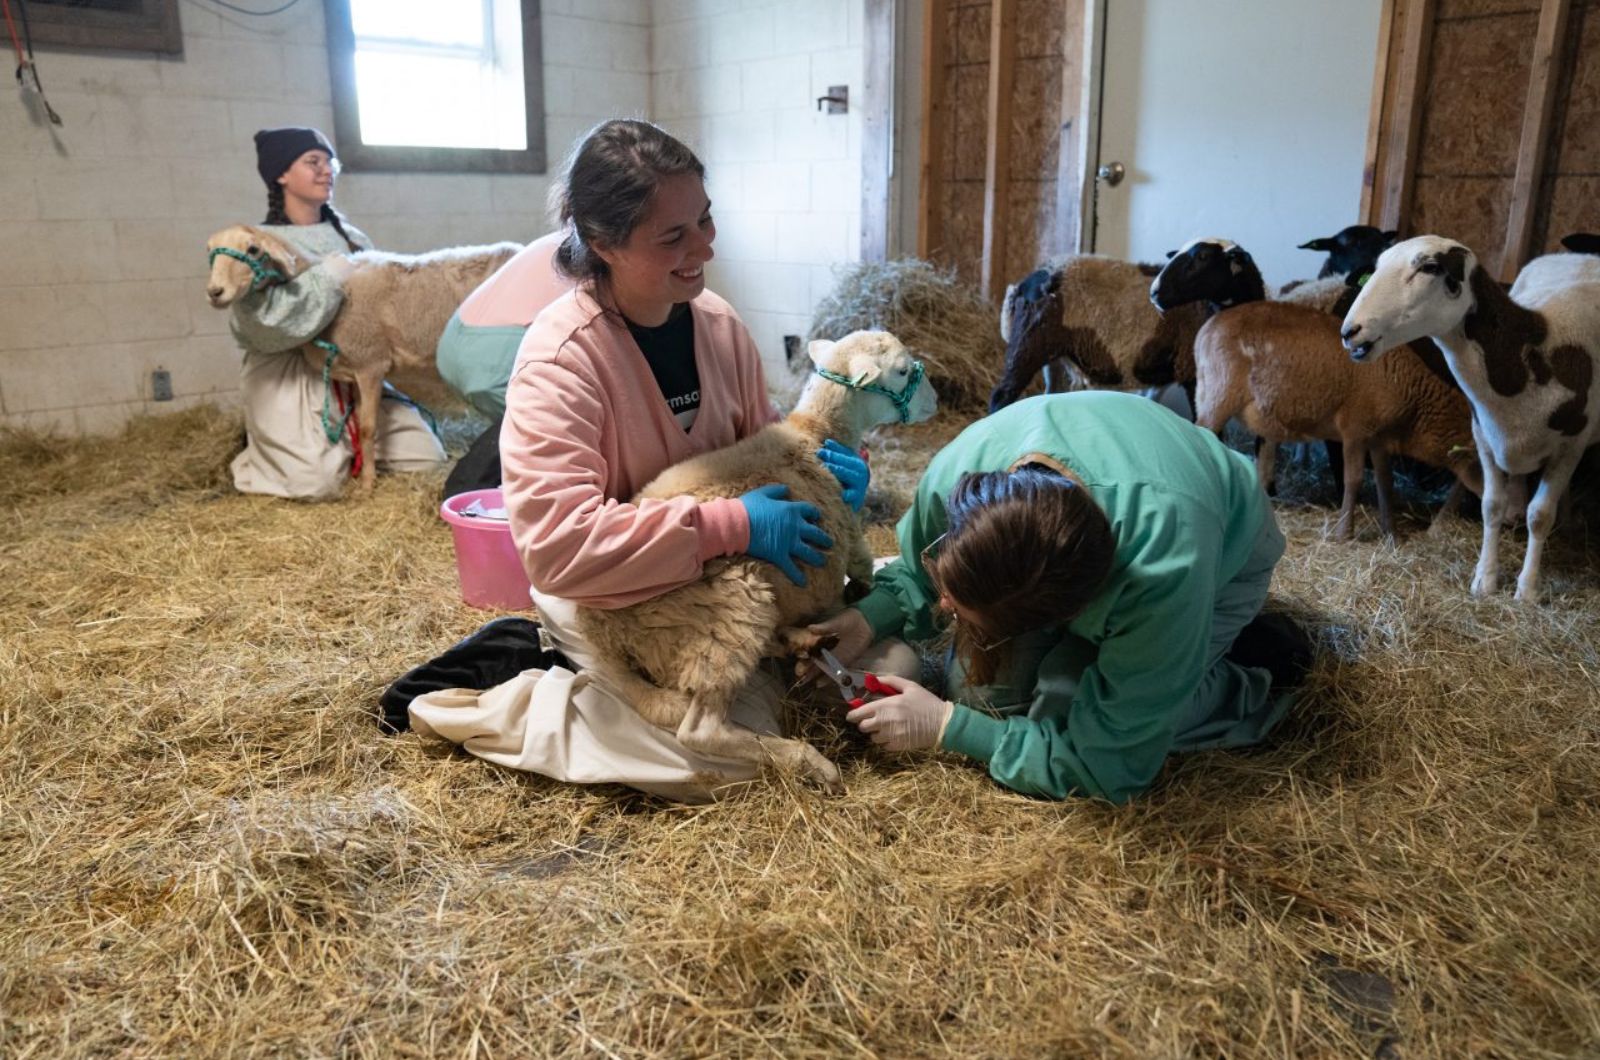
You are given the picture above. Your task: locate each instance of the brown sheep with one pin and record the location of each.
(395, 307)
(1280, 369)
(681, 657)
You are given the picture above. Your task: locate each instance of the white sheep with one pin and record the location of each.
(680, 657)
(395, 307)
(1526, 361)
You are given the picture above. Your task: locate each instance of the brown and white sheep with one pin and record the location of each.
(680, 657)
(1279, 369)
(394, 310)
(1527, 361)
(1089, 318)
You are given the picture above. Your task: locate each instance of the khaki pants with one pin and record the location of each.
(571, 727)
(288, 454)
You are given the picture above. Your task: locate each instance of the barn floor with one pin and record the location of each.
(206, 847)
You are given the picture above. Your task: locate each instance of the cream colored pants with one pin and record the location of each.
(288, 454)
(571, 727)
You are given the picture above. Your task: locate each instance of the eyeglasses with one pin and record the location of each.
(318, 165)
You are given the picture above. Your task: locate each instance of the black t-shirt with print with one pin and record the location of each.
(669, 349)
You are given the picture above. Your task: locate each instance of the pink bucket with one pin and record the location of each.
(486, 560)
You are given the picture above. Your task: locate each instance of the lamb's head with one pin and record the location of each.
(1206, 270)
(1031, 326)
(888, 384)
(1421, 287)
(1352, 251)
(244, 259)
(1582, 242)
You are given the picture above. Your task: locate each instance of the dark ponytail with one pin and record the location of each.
(608, 184)
(276, 215)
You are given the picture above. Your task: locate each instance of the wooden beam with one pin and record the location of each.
(1548, 51)
(1375, 113)
(930, 178)
(997, 151)
(1072, 160)
(1415, 25)
(877, 130)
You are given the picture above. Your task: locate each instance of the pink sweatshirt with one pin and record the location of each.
(517, 290)
(586, 426)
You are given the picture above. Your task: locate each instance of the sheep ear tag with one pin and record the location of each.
(866, 375)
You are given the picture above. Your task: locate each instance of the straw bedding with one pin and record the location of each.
(207, 849)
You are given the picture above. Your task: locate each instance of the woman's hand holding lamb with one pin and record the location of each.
(782, 531)
(338, 267)
(849, 468)
(911, 720)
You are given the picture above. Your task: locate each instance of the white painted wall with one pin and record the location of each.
(103, 222)
(738, 81)
(1246, 120)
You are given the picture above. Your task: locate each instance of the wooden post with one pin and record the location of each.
(1414, 22)
(1548, 51)
(997, 154)
(1069, 169)
(930, 178)
(1375, 114)
(877, 130)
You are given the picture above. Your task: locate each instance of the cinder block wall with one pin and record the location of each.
(739, 81)
(103, 222)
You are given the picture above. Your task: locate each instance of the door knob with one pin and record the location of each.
(1112, 173)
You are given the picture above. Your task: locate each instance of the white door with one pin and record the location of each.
(1245, 119)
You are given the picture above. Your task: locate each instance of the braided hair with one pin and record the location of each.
(276, 215)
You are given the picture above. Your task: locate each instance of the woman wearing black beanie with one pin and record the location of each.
(287, 452)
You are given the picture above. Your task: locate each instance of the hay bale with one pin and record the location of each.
(947, 323)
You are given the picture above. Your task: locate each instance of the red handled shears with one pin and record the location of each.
(856, 686)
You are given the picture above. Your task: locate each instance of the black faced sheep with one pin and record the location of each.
(394, 310)
(680, 657)
(1526, 361)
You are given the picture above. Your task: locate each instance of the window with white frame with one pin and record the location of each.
(437, 84)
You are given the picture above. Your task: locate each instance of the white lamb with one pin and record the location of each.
(680, 657)
(1526, 361)
(394, 310)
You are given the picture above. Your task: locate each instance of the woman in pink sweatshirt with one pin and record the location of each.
(636, 369)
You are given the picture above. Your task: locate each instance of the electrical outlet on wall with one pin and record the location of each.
(161, 385)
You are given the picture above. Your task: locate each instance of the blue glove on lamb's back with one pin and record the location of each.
(848, 467)
(782, 531)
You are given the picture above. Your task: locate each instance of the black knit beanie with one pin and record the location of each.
(276, 149)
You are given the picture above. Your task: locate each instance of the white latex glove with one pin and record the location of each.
(339, 267)
(855, 637)
(913, 720)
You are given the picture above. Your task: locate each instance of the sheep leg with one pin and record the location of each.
(1542, 517)
(1355, 469)
(1447, 513)
(1486, 579)
(707, 730)
(1383, 478)
(1267, 463)
(369, 391)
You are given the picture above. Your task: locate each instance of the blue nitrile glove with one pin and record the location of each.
(781, 531)
(848, 467)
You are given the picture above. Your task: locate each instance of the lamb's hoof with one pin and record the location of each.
(822, 772)
(1527, 591)
(1341, 531)
(798, 640)
(1485, 584)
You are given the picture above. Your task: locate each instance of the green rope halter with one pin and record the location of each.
(902, 400)
(333, 431)
(261, 274)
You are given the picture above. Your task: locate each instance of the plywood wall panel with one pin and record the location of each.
(1039, 26)
(969, 92)
(1572, 205)
(1477, 85)
(969, 34)
(964, 227)
(1577, 129)
(1449, 9)
(1033, 212)
(1472, 210)
(1035, 119)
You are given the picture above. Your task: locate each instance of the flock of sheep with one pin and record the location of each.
(1496, 387)
(1507, 377)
